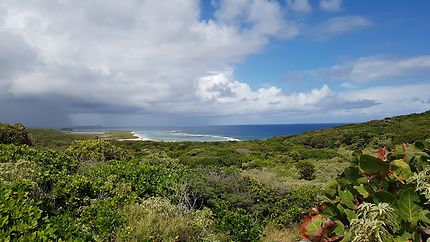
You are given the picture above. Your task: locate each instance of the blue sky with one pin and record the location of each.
(209, 62)
(398, 29)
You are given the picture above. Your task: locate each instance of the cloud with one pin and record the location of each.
(103, 56)
(368, 69)
(331, 5)
(266, 17)
(220, 91)
(339, 25)
(156, 62)
(302, 6)
(16, 56)
(392, 100)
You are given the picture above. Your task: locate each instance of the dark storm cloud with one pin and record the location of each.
(34, 113)
(16, 56)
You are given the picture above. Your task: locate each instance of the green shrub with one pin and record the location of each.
(10, 172)
(47, 160)
(15, 134)
(91, 152)
(239, 225)
(115, 178)
(156, 219)
(102, 218)
(289, 209)
(20, 217)
(306, 170)
(295, 155)
(68, 227)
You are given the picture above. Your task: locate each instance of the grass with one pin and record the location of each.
(60, 140)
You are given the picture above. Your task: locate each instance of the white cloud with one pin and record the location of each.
(97, 59)
(339, 25)
(367, 69)
(228, 96)
(302, 6)
(392, 100)
(131, 53)
(331, 5)
(266, 17)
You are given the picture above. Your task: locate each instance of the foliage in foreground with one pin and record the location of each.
(20, 217)
(382, 198)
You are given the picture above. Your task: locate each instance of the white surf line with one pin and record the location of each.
(225, 138)
(139, 138)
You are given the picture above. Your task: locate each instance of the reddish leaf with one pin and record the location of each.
(381, 154)
(321, 234)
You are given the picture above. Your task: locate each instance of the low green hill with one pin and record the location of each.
(98, 190)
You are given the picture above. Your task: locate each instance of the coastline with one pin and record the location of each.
(222, 133)
(138, 137)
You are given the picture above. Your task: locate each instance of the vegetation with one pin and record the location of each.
(15, 134)
(77, 187)
(306, 170)
(61, 139)
(382, 198)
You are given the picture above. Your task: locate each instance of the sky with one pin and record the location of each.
(212, 62)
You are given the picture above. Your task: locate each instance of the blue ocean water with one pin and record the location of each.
(218, 133)
(224, 132)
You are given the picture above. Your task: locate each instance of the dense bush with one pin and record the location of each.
(239, 224)
(15, 134)
(20, 217)
(91, 152)
(306, 170)
(288, 209)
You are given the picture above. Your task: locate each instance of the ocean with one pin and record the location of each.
(220, 133)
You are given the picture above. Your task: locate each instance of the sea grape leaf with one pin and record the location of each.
(343, 182)
(350, 172)
(350, 214)
(349, 176)
(330, 189)
(341, 208)
(346, 236)
(384, 197)
(332, 212)
(347, 198)
(382, 154)
(340, 228)
(398, 153)
(362, 190)
(407, 209)
(400, 169)
(369, 165)
(314, 225)
(362, 180)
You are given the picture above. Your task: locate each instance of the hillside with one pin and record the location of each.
(101, 190)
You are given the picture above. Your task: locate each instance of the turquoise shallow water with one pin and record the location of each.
(220, 133)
